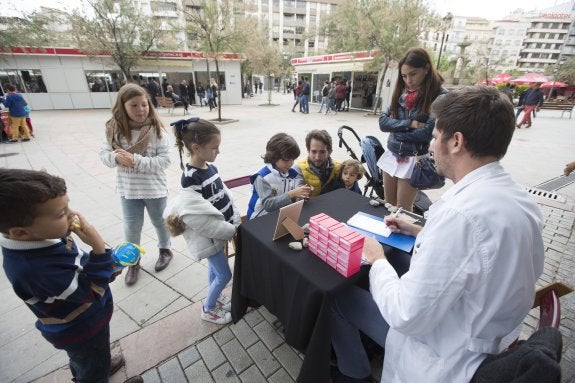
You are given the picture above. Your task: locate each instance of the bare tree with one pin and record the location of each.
(118, 28)
(389, 27)
(265, 58)
(28, 30)
(218, 27)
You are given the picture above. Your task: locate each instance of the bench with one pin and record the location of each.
(168, 103)
(230, 251)
(562, 106)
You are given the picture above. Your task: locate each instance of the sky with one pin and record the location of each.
(489, 9)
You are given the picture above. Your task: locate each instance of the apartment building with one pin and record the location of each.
(545, 40)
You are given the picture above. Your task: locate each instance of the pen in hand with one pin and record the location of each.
(398, 212)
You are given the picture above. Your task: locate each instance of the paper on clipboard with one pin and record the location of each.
(367, 223)
(399, 241)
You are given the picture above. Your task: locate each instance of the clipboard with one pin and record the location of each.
(290, 214)
(399, 241)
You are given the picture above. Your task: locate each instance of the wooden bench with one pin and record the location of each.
(564, 107)
(168, 103)
(230, 251)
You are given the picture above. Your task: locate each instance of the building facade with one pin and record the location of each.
(65, 78)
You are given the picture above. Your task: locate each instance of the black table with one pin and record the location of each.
(296, 286)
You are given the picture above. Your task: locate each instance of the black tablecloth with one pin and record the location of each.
(297, 286)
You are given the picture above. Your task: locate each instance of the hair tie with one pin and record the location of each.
(182, 125)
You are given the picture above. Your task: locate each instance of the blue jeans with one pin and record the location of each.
(323, 102)
(354, 309)
(90, 363)
(304, 103)
(219, 274)
(133, 210)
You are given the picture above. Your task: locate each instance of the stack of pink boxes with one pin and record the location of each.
(336, 244)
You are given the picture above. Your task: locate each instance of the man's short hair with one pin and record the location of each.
(21, 191)
(482, 114)
(320, 135)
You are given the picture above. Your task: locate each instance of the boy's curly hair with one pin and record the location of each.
(175, 225)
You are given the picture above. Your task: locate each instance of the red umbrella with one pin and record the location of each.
(554, 84)
(530, 78)
(501, 77)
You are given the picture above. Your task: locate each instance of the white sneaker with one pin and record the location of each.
(216, 315)
(224, 302)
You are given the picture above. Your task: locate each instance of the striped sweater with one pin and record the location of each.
(147, 179)
(67, 290)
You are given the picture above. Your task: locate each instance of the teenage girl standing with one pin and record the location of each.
(409, 123)
(204, 212)
(138, 146)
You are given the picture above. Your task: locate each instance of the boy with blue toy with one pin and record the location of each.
(64, 286)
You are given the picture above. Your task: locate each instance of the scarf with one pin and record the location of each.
(411, 98)
(140, 147)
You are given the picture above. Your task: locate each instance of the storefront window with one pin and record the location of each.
(25, 81)
(104, 81)
(202, 77)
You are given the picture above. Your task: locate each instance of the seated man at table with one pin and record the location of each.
(319, 170)
(474, 266)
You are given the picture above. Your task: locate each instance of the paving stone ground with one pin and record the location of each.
(156, 322)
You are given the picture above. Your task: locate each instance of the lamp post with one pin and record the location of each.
(445, 23)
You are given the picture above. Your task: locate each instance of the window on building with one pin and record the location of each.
(299, 30)
(300, 17)
(105, 80)
(311, 43)
(25, 81)
(161, 6)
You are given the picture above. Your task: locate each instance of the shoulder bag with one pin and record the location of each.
(425, 175)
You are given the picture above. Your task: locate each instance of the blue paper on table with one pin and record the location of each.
(399, 241)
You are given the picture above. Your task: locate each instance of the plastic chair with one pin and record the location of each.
(538, 358)
(230, 184)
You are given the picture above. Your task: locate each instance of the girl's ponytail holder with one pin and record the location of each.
(182, 125)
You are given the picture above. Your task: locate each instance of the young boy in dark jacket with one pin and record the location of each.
(65, 287)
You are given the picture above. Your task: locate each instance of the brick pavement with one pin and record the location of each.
(156, 323)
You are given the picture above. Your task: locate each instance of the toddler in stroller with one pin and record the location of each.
(372, 149)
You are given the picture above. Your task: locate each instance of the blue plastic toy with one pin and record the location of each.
(126, 254)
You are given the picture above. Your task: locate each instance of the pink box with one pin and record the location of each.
(312, 240)
(352, 260)
(352, 242)
(332, 262)
(314, 233)
(321, 250)
(326, 225)
(346, 271)
(316, 219)
(340, 232)
(312, 247)
(333, 230)
(333, 245)
(323, 239)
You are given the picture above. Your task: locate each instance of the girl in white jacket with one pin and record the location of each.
(204, 212)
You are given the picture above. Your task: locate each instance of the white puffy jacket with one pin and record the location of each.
(206, 230)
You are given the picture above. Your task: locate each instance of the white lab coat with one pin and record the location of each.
(470, 284)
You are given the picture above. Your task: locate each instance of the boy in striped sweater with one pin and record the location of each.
(65, 287)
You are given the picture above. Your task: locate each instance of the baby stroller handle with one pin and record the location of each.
(342, 141)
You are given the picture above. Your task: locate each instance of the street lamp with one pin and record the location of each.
(445, 23)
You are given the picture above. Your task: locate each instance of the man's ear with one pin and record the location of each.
(18, 233)
(456, 143)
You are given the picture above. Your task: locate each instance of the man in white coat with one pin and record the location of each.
(474, 266)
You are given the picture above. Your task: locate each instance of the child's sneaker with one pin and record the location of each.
(224, 302)
(216, 315)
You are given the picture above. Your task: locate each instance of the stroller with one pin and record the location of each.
(372, 149)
